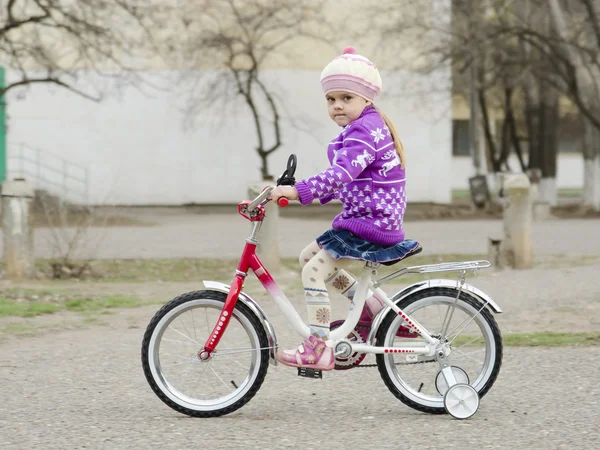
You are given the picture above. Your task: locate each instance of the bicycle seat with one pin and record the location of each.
(418, 249)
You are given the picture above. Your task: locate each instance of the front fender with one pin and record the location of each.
(422, 285)
(256, 309)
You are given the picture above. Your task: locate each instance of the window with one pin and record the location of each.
(461, 144)
(570, 135)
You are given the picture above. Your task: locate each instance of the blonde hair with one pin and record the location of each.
(394, 133)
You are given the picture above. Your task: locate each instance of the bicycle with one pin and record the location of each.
(225, 342)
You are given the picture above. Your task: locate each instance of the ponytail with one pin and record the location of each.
(394, 133)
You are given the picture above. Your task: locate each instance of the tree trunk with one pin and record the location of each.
(591, 161)
(532, 114)
(549, 147)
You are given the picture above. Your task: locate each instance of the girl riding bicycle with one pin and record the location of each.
(367, 174)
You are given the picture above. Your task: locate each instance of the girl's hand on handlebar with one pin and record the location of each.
(288, 192)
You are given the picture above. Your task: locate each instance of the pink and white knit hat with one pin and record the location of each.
(352, 73)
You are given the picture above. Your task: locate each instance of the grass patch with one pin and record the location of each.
(461, 195)
(101, 304)
(18, 329)
(541, 339)
(195, 269)
(570, 192)
(548, 339)
(9, 307)
(32, 303)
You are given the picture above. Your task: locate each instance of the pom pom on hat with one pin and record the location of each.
(353, 73)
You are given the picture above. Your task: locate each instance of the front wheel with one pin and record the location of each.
(475, 347)
(218, 386)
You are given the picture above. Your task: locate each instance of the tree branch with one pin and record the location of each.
(49, 79)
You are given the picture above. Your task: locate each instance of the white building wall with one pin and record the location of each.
(569, 171)
(138, 152)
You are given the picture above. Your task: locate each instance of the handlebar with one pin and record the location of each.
(262, 199)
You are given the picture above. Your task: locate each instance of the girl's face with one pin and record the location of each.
(344, 107)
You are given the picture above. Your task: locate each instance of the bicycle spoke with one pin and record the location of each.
(184, 327)
(180, 342)
(239, 350)
(466, 325)
(192, 358)
(217, 375)
(478, 361)
(190, 363)
(468, 342)
(236, 362)
(194, 324)
(185, 336)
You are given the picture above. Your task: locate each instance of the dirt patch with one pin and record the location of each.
(575, 212)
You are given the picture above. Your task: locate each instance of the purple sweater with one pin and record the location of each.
(365, 175)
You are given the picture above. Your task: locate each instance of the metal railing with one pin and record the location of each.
(49, 172)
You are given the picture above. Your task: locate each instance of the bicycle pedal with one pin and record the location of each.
(309, 373)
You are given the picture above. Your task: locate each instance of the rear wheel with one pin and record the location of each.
(223, 383)
(475, 347)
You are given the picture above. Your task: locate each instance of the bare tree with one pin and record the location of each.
(50, 41)
(512, 57)
(239, 39)
(581, 50)
(487, 70)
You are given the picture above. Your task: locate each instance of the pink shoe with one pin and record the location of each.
(313, 353)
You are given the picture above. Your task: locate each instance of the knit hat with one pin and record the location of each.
(352, 73)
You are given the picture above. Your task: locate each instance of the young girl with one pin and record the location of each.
(367, 175)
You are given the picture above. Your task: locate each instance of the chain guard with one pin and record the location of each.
(359, 335)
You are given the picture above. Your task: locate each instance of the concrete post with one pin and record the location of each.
(268, 238)
(516, 247)
(541, 208)
(19, 258)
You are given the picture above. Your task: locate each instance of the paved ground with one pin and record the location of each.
(84, 388)
(180, 232)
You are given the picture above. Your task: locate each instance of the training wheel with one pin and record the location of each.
(440, 382)
(461, 401)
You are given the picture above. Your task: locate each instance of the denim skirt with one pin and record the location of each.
(344, 244)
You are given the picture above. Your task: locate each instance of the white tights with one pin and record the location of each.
(321, 272)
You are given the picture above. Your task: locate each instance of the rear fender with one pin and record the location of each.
(429, 284)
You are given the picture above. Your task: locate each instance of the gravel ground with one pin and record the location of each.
(84, 387)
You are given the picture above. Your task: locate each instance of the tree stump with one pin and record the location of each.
(516, 248)
(19, 256)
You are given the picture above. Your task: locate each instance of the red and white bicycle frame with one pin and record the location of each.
(255, 212)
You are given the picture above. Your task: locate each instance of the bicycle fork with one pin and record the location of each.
(234, 291)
